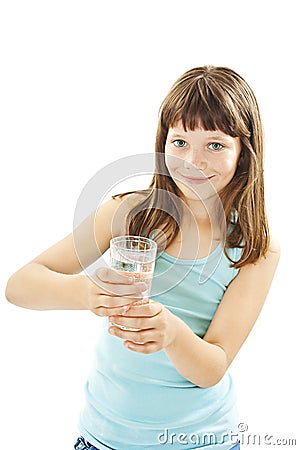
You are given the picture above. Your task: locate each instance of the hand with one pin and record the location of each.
(110, 293)
(155, 325)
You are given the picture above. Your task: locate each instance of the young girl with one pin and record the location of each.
(166, 385)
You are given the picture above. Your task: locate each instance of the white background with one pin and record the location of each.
(81, 83)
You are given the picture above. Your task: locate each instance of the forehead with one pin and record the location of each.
(179, 130)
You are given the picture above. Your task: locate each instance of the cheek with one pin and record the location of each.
(228, 165)
(173, 162)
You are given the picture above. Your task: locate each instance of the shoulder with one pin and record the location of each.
(270, 260)
(260, 274)
(274, 246)
(120, 203)
(271, 256)
(115, 211)
(132, 199)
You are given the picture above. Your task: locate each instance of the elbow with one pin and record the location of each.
(12, 290)
(9, 291)
(217, 368)
(212, 379)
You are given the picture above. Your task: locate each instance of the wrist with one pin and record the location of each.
(175, 330)
(76, 286)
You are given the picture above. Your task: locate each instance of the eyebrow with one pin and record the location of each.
(220, 136)
(176, 135)
(214, 135)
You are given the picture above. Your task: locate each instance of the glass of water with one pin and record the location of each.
(134, 256)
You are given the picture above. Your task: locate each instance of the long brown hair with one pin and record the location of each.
(218, 99)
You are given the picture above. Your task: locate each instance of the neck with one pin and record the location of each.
(202, 211)
(204, 216)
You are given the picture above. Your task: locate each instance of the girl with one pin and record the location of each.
(166, 385)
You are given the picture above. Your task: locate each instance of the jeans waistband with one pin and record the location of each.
(83, 444)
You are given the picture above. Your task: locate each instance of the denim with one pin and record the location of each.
(82, 444)
(236, 446)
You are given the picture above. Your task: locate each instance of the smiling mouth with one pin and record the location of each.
(197, 180)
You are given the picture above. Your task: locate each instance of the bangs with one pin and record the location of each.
(204, 104)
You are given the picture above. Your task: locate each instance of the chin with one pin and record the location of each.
(197, 193)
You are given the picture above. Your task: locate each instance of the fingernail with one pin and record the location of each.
(145, 293)
(128, 345)
(111, 319)
(125, 309)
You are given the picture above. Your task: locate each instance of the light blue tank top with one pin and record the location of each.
(136, 401)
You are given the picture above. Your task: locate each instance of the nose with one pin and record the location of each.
(195, 158)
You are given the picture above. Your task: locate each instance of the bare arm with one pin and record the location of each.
(35, 286)
(53, 280)
(203, 361)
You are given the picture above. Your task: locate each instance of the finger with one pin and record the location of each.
(136, 290)
(139, 336)
(138, 323)
(115, 284)
(113, 276)
(105, 312)
(108, 301)
(150, 309)
(147, 348)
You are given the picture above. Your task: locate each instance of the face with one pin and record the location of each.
(201, 162)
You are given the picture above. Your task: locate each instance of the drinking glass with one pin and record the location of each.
(134, 256)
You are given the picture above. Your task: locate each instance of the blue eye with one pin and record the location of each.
(179, 143)
(215, 146)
